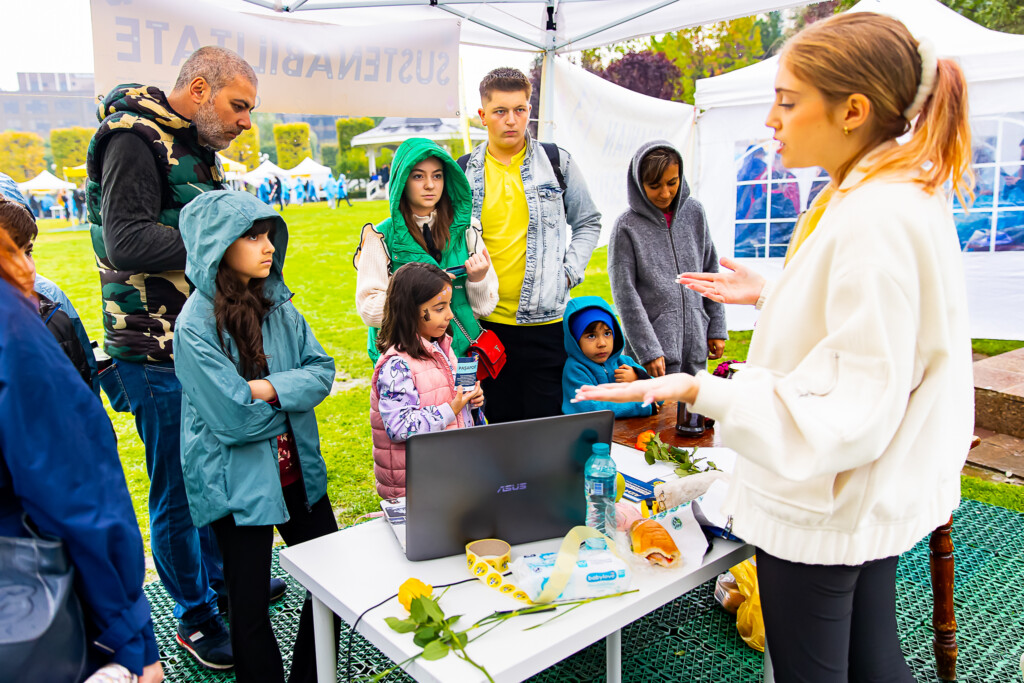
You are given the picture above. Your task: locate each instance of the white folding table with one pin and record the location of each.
(353, 569)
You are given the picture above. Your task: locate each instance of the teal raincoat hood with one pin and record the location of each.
(209, 225)
(572, 346)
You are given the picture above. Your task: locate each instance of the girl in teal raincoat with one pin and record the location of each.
(251, 373)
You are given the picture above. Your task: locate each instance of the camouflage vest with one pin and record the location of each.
(139, 308)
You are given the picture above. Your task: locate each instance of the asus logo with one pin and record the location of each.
(509, 488)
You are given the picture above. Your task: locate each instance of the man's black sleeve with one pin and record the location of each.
(131, 201)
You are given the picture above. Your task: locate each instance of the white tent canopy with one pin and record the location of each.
(307, 168)
(267, 169)
(546, 26)
(394, 130)
(733, 140)
(45, 182)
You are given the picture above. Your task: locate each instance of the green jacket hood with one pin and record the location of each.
(456, 186)
(212, 221)
(145, 100)
(572, 345)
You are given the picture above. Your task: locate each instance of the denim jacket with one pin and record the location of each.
(550, 256)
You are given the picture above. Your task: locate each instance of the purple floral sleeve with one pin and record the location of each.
(400, 407)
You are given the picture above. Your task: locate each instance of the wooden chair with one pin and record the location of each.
(943, 619)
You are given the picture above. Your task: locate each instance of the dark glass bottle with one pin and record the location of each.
(688, 424)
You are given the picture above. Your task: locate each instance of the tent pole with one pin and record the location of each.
(545, 127)
(463, 111)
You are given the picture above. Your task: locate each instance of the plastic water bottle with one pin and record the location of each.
(600, 487)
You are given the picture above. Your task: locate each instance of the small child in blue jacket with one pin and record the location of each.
(593, 340)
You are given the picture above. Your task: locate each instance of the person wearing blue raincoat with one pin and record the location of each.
(239, 452)
(331, 190)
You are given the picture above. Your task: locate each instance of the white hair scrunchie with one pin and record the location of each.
(929, 77)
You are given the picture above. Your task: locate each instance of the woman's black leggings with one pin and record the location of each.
(247, 554)
(831, 623)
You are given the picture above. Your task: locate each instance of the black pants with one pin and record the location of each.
(831, 623)
(530, 385)
(246, 552)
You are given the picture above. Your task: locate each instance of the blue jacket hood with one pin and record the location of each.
(212, 221)
(572, 345)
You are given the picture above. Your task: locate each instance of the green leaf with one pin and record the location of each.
(401, 625)
(417, 610)
(433, 609)
(435, 650)
(460, 639)
(451, 620)
(424, 635)
(648, 456)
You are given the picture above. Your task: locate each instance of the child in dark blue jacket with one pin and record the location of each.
(593, 340)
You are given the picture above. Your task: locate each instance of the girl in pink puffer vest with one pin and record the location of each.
(413, 386)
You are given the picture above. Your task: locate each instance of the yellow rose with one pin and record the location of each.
(413, 588)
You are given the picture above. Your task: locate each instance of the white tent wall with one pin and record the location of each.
(732, 109)
(602, 124)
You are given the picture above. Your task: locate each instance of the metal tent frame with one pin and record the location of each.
(602, 22)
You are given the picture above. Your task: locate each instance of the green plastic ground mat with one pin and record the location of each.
(692, 639)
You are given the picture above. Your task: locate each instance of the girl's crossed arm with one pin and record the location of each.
(305, 387)
(220, 395)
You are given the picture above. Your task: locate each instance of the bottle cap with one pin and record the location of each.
(601, 449)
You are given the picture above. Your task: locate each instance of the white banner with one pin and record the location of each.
(304, 67)
(602, 125)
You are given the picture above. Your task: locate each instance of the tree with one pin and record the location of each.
(998, 15)
(710, 50)
(773, 32)
(648, 73)
(245, 148)
(292, 140)
(352, 161)
(69, 146)
(329, 156)
(21, 155)
(265, 121)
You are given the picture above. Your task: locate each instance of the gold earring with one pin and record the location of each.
(846, 131)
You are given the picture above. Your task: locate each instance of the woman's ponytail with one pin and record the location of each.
(942, 136)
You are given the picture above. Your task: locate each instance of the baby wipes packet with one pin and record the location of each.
(596, 573)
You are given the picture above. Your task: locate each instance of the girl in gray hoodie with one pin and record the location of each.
(664, 232)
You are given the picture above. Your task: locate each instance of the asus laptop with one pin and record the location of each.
(517, 481)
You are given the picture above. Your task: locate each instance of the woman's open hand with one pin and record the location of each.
(477, 265)
(675, 387)
(736, 285)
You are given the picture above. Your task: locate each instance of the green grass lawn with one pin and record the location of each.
(319, 270)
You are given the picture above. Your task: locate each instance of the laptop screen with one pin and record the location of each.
(517, 481)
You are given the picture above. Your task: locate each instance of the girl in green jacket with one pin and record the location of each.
(251, 373)
(430, 222)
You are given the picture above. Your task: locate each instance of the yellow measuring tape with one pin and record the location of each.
(488, 559)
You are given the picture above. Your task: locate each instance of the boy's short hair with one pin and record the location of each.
(16, 220)
(504, 79)
(655, 163)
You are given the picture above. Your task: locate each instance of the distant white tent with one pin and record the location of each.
(232, 169)
(394, 130)
(307, 168)
(45, 182)
(267, 169)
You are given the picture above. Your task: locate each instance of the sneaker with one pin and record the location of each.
(209, 643)
(278, 587)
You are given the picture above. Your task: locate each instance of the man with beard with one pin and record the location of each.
(152, 154)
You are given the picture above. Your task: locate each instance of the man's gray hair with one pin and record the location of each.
(217, 65)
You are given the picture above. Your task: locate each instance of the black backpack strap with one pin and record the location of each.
(463, 162)
(551, 149)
